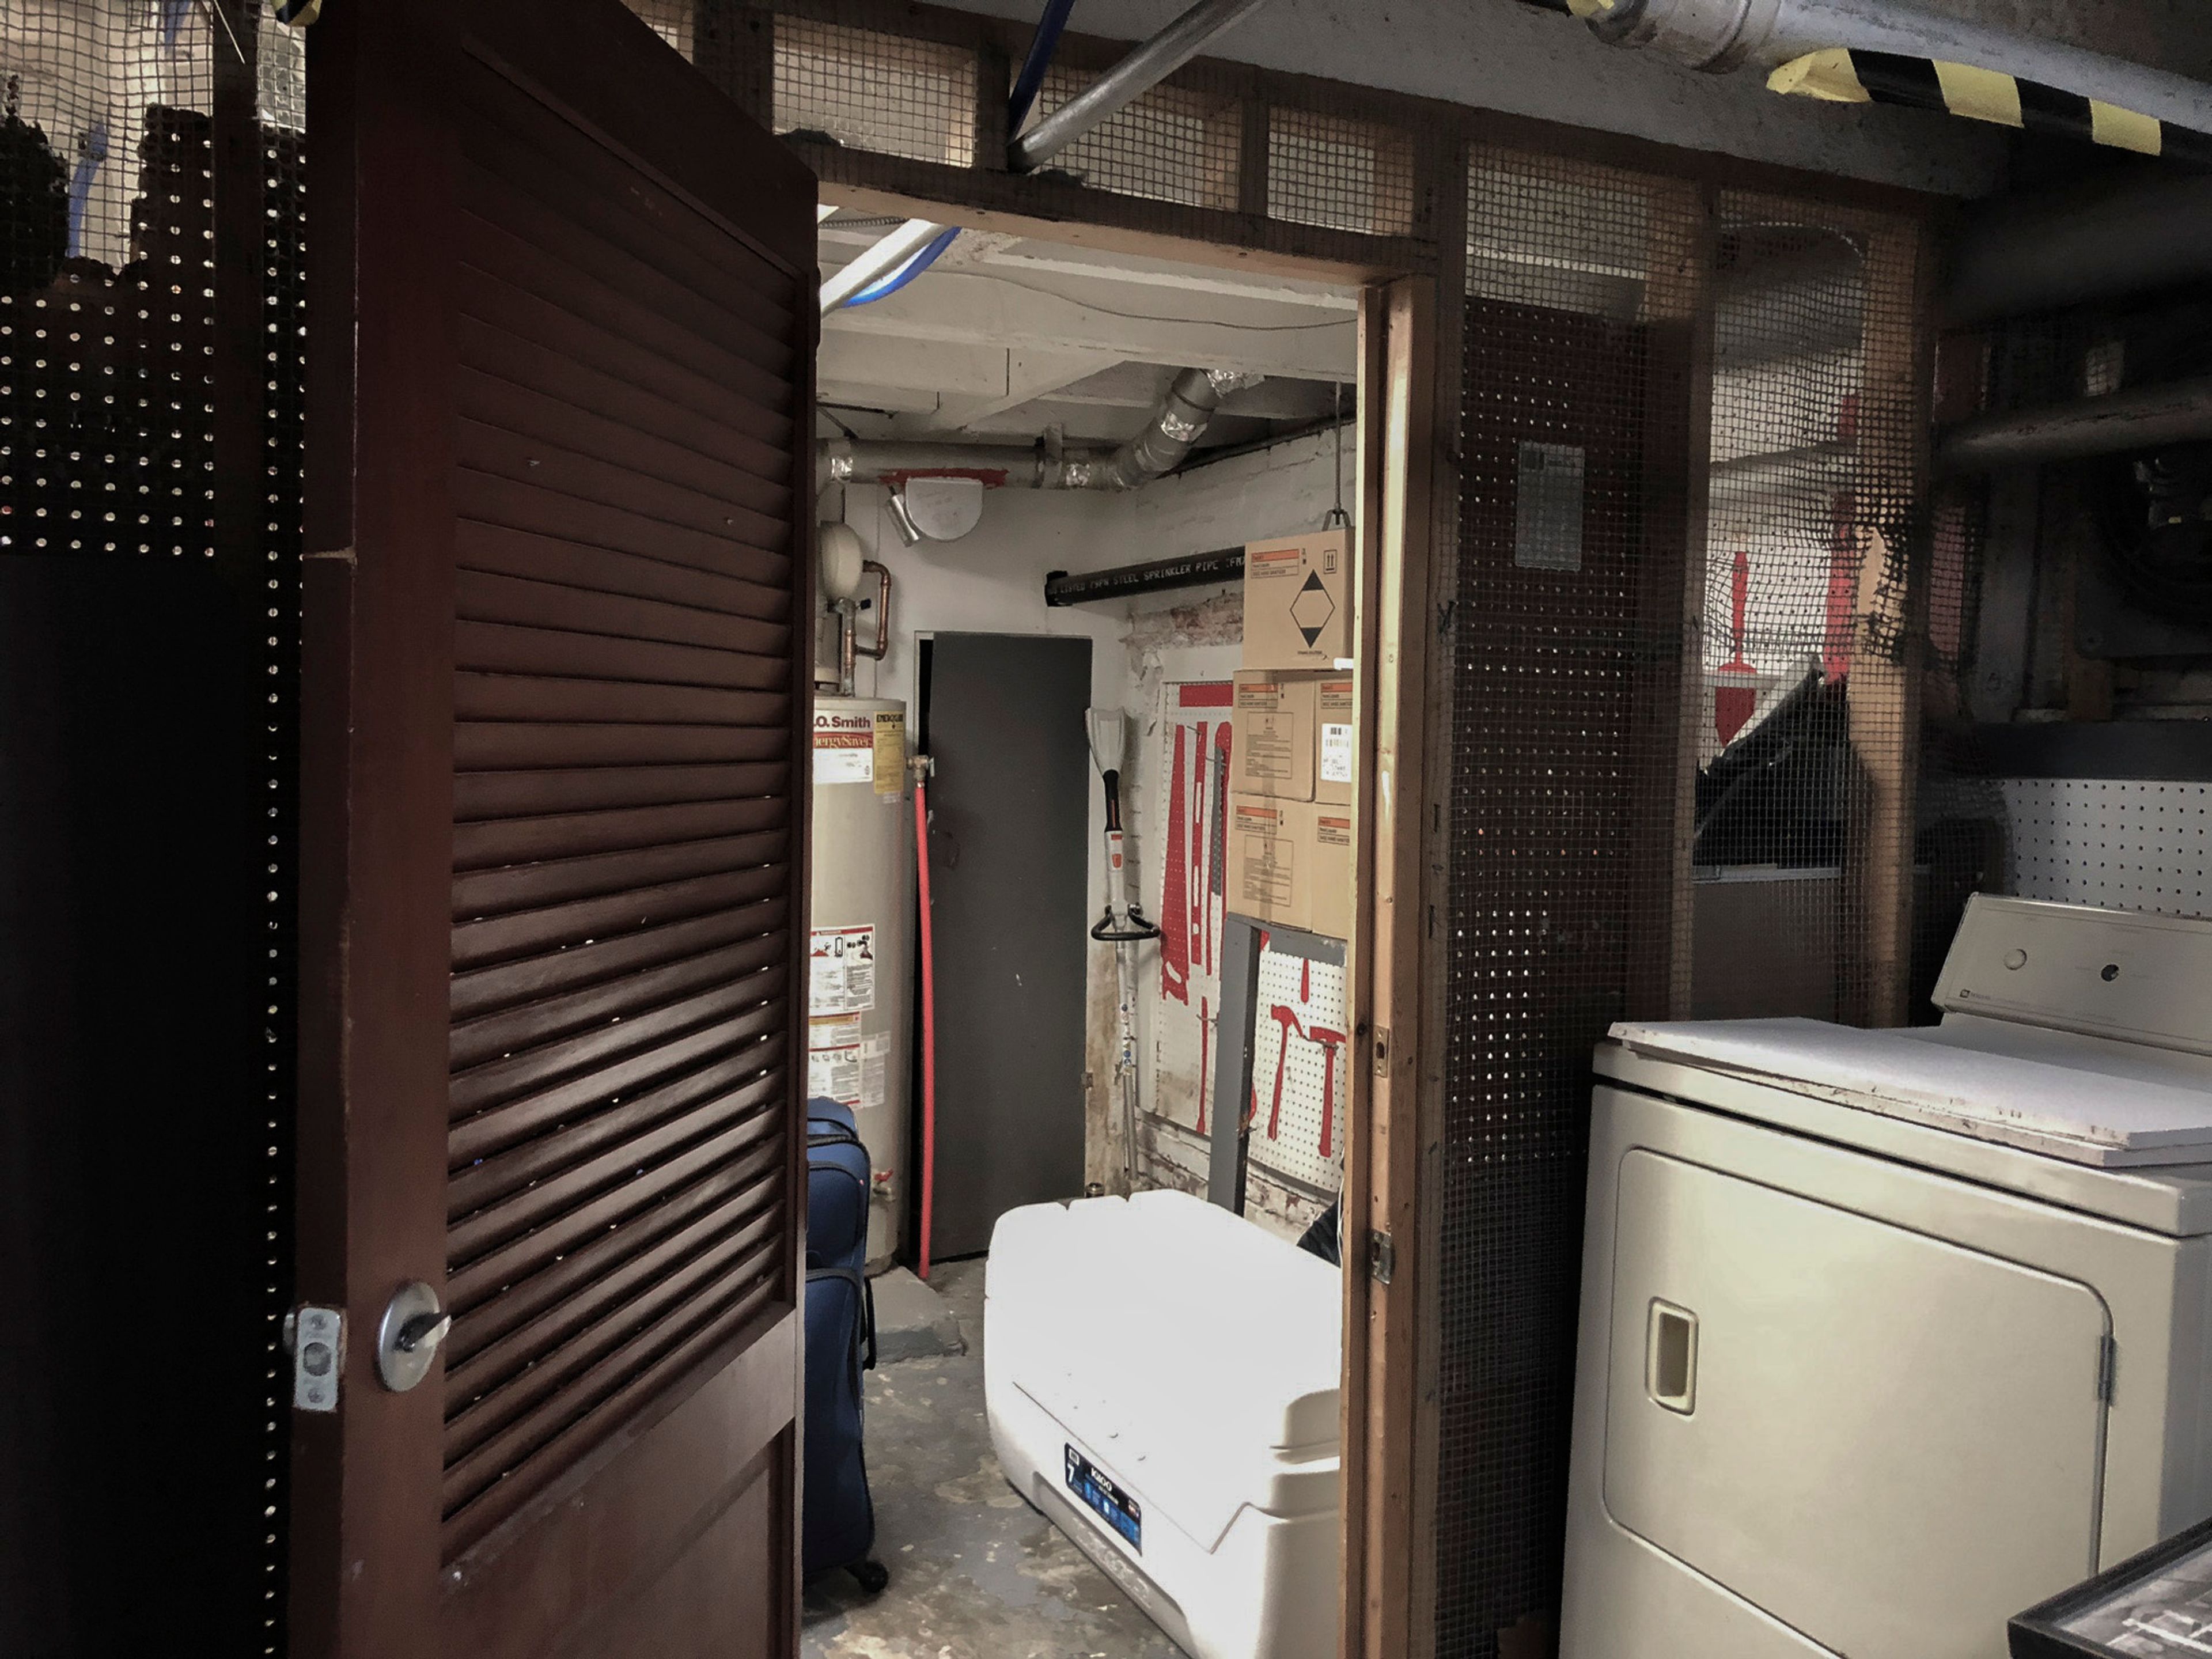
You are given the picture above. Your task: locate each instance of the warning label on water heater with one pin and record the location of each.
(844, 747)
(889, 758)
(846, 1064)
(834, 1048)
(842, 963)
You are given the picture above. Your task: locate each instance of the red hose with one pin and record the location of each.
(928, 1017)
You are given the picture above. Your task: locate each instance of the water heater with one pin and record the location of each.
(860, 1029)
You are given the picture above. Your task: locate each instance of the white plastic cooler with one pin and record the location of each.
(1162, 1380)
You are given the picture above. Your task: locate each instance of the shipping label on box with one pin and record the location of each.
(1297, 602)
(1273, 751)
(1267, 876)
(1336, 746)
(1328, 850)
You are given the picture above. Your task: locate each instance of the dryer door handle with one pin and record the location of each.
(1670, 1358)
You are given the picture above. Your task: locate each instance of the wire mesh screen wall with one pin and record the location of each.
(875, 91)
(1689, 637)
(1176, 143)
(1815, 631)
(913, 99)
(151, 201)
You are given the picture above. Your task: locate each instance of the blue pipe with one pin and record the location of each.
(1026, 84)
(1042, 47)
(886, 286)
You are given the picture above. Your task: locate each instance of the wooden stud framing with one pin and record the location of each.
(1383, 1268)
(1890, 475)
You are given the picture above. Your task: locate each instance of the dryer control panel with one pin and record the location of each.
(2121, 974)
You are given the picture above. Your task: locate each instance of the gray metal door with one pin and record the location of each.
(1009, 875)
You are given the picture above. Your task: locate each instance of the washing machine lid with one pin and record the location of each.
(2071, 1097)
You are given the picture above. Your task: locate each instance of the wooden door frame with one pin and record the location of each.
(1393, 1107)
(1407, 488)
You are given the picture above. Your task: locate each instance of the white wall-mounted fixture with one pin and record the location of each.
(943, 509)
(841, 558)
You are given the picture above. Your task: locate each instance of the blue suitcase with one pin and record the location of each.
(839, 1528)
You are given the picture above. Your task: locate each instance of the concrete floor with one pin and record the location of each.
(975, 1573)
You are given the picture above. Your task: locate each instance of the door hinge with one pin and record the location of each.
(2108, 1366)
(1382, 1256)
(315, 1338)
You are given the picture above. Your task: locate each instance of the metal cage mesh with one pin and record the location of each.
(1341, 172)
(873, 91)
(1179, 142)
(148, 291)
(1691, 626)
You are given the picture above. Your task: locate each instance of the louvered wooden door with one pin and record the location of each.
(562, 322)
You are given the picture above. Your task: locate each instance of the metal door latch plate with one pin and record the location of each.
(315, 1338)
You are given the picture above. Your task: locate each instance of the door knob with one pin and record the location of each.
(407, 1339)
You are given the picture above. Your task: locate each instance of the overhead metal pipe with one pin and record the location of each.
(1721, 35)
(1145, 68)
(1178, 421)
(2150, 418)
(894, 460)
(2057, 251)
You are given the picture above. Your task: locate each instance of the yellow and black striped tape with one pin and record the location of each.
(1843, 76)
(298, 13)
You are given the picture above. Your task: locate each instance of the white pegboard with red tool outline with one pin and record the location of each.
(1300, 1069)
(1189, 893)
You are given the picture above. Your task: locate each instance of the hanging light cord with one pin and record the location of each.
(1336, 518)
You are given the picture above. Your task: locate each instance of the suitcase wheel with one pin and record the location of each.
(872, 1575)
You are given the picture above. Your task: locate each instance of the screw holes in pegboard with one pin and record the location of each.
(2121, 844)
(1300, 1076)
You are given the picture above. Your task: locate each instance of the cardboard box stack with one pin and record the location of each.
(1294, 749)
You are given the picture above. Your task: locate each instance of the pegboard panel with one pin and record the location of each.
(1186, 894)
(152, 242)
(1300, 1076)
(2126, 846)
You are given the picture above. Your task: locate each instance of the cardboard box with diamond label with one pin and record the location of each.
(1273, 753)
(1297, 602)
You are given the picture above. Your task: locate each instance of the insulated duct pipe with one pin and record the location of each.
(1145, 68)
(2151, 417)
(1178, 422)
(1720, 35)
(2062, 251)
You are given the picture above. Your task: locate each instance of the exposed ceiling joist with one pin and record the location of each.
(896, 362)
(1029, 375)
(1218, 331)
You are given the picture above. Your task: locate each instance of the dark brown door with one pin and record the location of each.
(1010, 823)
(561, 304)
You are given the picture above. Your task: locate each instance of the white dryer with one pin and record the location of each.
(1888, 1336)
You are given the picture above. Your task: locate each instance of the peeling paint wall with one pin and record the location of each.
(1192, 636)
